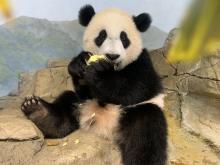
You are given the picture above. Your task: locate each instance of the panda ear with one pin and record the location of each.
(85, 14)
(142, 21)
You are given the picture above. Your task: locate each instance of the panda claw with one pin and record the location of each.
(33, 101)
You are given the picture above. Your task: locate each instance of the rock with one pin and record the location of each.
(17, 129)
(10, 107)
(26, 84)
(185, 149)
(51, 82)
(173, 104)
(198, 86)
(170, 38)
(20, 140)
(89, 150)
(192, 109)
(166, 72)
(47, 83)
(13, 123)
(11, 112)
(201, 76)
(170, 83)
(160, 64)
(21, 153)
(58, 63)
(201, 115)
(204, 79)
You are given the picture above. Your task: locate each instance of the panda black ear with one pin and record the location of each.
(142, 21)
(85, 14)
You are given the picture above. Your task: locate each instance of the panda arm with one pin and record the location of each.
(135, 83)
(120, 89)
(76, 68)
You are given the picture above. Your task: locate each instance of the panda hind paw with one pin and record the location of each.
(31, 105)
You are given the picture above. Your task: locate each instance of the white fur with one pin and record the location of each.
(157, 100)
(100, 120)
(114, 21)
(104, 121)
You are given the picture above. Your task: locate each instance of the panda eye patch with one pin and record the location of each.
(124, 39)
(101, 38)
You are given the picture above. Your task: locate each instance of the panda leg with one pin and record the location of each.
(143, 136)
(55, 119)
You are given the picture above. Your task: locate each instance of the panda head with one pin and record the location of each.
(113, 33)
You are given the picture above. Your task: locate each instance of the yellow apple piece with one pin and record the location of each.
(95, 58)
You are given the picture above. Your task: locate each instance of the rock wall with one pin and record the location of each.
(197, 86)
(192, 109)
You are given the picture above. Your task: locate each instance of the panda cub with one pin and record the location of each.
(119, 98)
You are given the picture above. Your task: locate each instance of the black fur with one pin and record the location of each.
(143, 136)
(85, 14)
(133, 84)
(142, 21)
(76, 69)
(124, 39)
(142, 128)
(58, 120)
(101, 38)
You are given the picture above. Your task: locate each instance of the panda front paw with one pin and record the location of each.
(100, 66)
(77, 66)
(95, 69)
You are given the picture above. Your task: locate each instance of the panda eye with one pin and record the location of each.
(101, 38)
(124, 39)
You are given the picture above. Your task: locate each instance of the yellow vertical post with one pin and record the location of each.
(199, 32)
(5, 8)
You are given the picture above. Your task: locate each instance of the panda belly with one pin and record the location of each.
(103, 121)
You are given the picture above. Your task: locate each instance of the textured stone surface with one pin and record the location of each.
(185, 149)
(201, 115)
(192, 103)
(9, 107)
(201, 77)
(79, 148)
(12, 128)
(197, 85)
(19, 153)
(58, 63)
(172, 104)
(168, 42)
(51, 82)
(160, 64)
(26, 84)
(13, 124)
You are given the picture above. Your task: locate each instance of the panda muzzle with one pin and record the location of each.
(112, 57)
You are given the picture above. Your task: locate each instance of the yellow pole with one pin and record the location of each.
(199, 32)
(5, 8)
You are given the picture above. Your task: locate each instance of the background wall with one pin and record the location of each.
(28, 42)
(166, 13)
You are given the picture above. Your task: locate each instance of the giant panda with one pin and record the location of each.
(119, 99)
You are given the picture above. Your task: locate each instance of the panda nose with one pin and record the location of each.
(112, 56)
